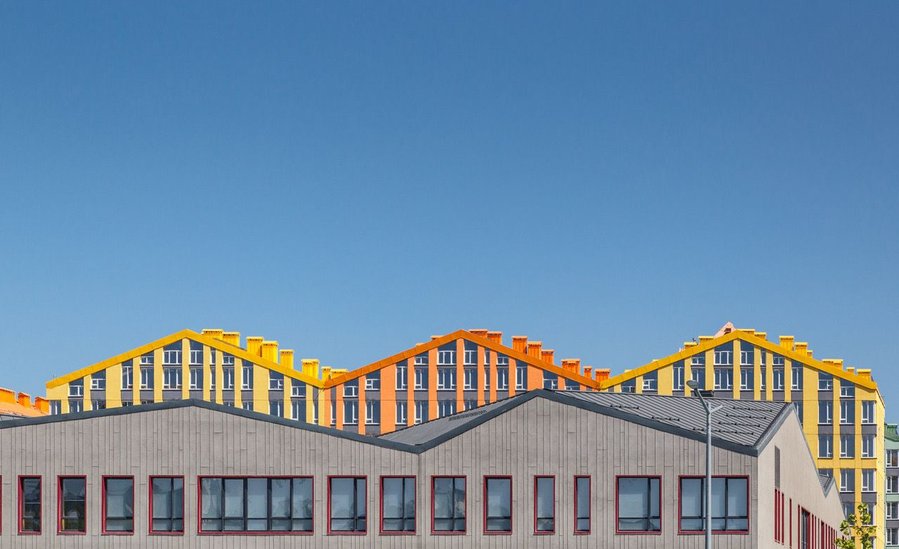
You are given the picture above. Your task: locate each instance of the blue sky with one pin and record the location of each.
(611, 179)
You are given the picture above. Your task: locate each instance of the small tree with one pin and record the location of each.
(857, 530)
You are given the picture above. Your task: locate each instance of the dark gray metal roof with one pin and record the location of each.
(741, 426)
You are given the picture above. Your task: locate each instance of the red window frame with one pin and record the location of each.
(511, 507)
(381, 506)
(59, 530)
(21, 502)
(367, 506)
(589, 505)
(545, 532)
(449, 532)
(661, 508)
(103, 530)
(150, 529)
(746, 532)
(201, 532)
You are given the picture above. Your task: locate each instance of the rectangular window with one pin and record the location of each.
(730, 504)
(118, 505)
(446, 408)
(421, 411)
(723, 358)
(171, 356)
(372, 412)
(275, 381)
(521, 378)
(544, 505)
(255, 504)
(847, 480)
(298, 410)
(196, 356)
(351, 389)
(98, 405)
(678, 373)
(298, 389)
(867, 480)
(167, 505)
(98, 381)
(247, 382)
(847, 390)
(892, 484)
(847, 412)
(421, 378)
(402, 380)
(825, 446)
(470, 404)
(796, 380)
(228, 378)
(55, 407)
(698, 376)
(76, 388)
(746, 379)
(825, 412)
(401, 413)
(868, 446)
(497, 505)
(446, 358)
(550, 380)
(777, 379)
(75, 406)
(347, 498)
(276, 408)
(350, 412)
(847, 446)
(373, 381)
(398, 505)
(825, 382)
(868, 412)
(639, 504)
(196, 378)
(72, 507)
(892, 510)
(649, 384)
(421, 360)
(448, 505)
(171, 378)
(127, 377)
(30, 505)
(470, 379)
(471, 357)
(724, 379)
(892, 458)
(446, 379)
(486, 379)
(892, 536)
(746, 358)
(146, 360)
(582, 505)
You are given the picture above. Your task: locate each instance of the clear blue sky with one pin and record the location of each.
(348, 180)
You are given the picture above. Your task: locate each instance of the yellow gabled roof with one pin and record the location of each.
(238, 352)
(752, 339)
(474, 338)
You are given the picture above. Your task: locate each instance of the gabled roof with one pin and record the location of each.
(740, 426)
(749, 337)
(469, 336)
(238, 352)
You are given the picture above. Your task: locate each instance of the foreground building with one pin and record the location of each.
(541, 469)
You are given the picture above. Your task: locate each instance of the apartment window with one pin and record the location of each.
(521, 377)
(446, 408)
(76, 388)
(373, 381)
(697, 360)
(502, 360)
(581, 505)
(678, 376)
(167, 505)
(275, 381)
(146, 360)
(723, 357)
(746, 358)
(314, 418)
(892, 484)
(649, 383)
(797, 405)
(730, 504)
(298, 410)
(471, 357)
(847, 446)
(892, 510)
(240, 504)
(401, 413)
(30, 505)
(847, 390)
(421, 360)
(298, 389)
(777, 379)
(98, 405)
(350, 412)
(724, 379)
(470, 379)
(196, 356)
(351, 389)
(825, 446)
(334, 414)
(470, 404)
(825, 382)
(448, 505)
(867, 446)
(763, 378)
(847, 412)
(171, 378)
(870, 507)
(127, 377)
(867, 480)
(276, 408)
(486, 379)
(639, 504)
(196, 378)
(550, 380)
(75, 406)
(825, 412)
(402, 379)
(55, 407)
(421, 378)
(892, 458)
(446, 358)
(497, 505)
(746, 378)
(446, 379)
(347, 505)
(170, 356)
(421, 411)
(118, 505)
(228, 378)
(227, 360)
(544, 505)
(868, 412)
(698, 376)
(892, 536)
(247, 381)
(397, 505)
(72, 505)
(372, 412)
(502, 378)
(796, 380)
(847, 480)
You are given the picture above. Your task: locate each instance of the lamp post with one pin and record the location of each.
(697, 390)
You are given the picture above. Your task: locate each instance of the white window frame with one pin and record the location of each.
(446, 358)
(847, 390)
(76, 390)
(844, 448)
(697, 360)
(127, 377)
(298, 389)
(446, 408)
(649, 384)
(846, 406)
(825, 405)
(868, 413)
(373, 383)
(470, 377)
(401, 413)
(171, 357)
(844, 476)
(420, 377)
(146, 376)
(777, 379)
(228, 378)
(869, 444)
(471, 357)
(724, 358)
(227, 360)
(246, 383)
(892, 536)
(894, 462)
(420, 409)
(502, 379)
(370, 418)
(196, 357)
(276, 408)
(146, 360)
(825, 451)
(351, 406)
(521, 376)
(402, 378)
(745, 375)
(98, 383)
(728, 376)
(678, 375)
(825, 383)
(796, 380)
(275, 383)
(295, 408)
(746, 358)
(350, 390)
(868, 480)
(171, 377)
(446, 378)
(195, 378)
(421, 360)
(892, 484)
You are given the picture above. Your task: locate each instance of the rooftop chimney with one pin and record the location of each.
(520, 343)
(496, 337)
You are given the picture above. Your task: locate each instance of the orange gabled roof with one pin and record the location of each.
(469, 336)
(749, 337)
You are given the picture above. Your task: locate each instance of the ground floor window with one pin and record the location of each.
(397, 505)
(347, 511)
(167, 504)
(448, 505)
(256, 504)
(72, 504)
(497, 505)
(638, 503)
(730, 504)
(118, 505)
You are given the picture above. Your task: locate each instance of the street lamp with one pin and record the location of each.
(697, 390)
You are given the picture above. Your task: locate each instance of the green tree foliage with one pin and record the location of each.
(857, 530)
